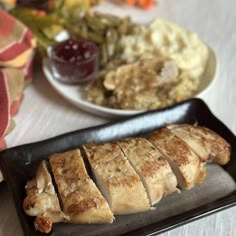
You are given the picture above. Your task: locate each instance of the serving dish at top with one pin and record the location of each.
(19, 164)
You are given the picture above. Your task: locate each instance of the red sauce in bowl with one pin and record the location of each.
(75, 61)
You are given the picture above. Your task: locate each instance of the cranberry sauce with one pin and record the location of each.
(75, 61)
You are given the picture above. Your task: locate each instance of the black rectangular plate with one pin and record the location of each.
(19, 163)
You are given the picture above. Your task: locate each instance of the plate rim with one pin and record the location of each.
(96, 109)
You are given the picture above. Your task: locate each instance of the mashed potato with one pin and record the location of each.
(169, 40)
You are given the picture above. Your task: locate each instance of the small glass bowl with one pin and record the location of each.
(71, 72)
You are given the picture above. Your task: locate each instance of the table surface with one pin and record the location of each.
(45, 114)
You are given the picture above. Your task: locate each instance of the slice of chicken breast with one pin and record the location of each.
(154, 171)
(208, 145)
(186, 165)
(81, 199)
(42, 201)
(117, 179)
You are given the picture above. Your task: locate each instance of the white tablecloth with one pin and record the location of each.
(45, 114)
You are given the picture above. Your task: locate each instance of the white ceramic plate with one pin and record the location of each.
(76, 94)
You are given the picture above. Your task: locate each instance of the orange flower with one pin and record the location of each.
(130, 2)
(145, 4)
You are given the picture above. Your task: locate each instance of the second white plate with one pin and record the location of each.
(76, 94)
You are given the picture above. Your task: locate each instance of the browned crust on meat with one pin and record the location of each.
(41, 200)
(81, 199)
(153, 169)
(43, 224)
(206, 143)
(82, 206)
(121, 184)
(181, 157)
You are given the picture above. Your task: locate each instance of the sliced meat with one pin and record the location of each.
(42, 201)
(186, 165)
(154, 171)
(117, 179)
(80, 197)
(208, 145)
